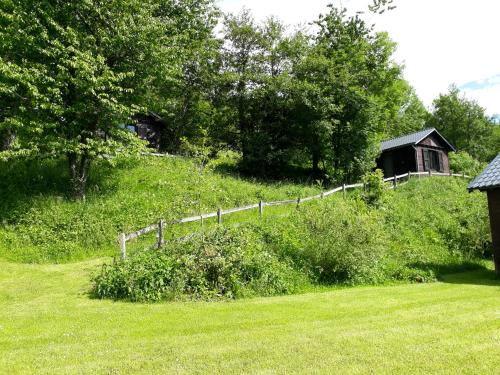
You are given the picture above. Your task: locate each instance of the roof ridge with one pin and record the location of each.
(410, 134)
(411, 139)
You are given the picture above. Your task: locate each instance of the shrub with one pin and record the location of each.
(462, 162)
(342, 242)
(223, 264)
(374, 187)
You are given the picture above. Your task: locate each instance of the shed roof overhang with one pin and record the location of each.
(489, 179)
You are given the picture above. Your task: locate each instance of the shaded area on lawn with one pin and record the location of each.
(478, 272)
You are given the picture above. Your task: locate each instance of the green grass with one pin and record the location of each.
(38, 224)
(49, 325)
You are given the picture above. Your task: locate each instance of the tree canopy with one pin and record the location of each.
(465, 124)
(73, 75)
(75, 72)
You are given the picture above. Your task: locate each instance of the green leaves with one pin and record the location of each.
(464, 123)
(73, 73)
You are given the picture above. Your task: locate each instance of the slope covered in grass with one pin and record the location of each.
(420, 232)
(48, 325)
(424, 225)
(39, 224)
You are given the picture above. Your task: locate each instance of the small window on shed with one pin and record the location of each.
(427, 162)
(433, 160)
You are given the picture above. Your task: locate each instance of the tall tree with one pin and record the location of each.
(357, 74)
(402, 110)
(184, 99)
(74, 72)
(463, 122)
(241, 70)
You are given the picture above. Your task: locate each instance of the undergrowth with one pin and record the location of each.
(423, 230)
(417, 233)
(39, 224)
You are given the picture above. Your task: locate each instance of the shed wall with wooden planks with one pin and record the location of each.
(494, 208)
(420, 159)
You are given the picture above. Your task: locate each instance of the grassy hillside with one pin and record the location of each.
(48, 325)
(420, 232)
(425, 228)
(38, 223)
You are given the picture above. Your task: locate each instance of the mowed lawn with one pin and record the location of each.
(48, 324)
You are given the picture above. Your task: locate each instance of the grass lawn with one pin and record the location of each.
(49, 325)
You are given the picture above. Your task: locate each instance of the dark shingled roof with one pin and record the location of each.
(489, 178)
(411, 139)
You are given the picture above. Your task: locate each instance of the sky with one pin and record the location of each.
(440, 42)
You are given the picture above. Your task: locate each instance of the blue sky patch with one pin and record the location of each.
(482, 83)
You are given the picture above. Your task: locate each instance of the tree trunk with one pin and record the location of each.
(315, 163)
(79, 166)
(7, 139)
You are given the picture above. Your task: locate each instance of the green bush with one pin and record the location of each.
(222, 264)
(343, 242)
(374, 187)
(462, 162)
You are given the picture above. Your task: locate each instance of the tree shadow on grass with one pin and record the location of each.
(484, 276)
(22, 181)
(476, 273)
(288, 174)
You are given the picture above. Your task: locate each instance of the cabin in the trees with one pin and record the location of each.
(149, 127)
(489, 181)
(423, 151)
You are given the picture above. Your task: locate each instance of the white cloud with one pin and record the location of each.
(441, 42)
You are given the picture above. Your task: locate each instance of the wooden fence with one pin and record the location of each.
(160, 226)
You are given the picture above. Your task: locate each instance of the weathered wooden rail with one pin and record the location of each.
(160, 226)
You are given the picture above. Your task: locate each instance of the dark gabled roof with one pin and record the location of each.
(412, 140)
(489, 178)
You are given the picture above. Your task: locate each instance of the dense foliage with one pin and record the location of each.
(72, 74)
(336, 240)
(318, 101)
(465, 124)
(462, 162)
(227, 263)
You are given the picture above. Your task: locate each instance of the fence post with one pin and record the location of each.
(219, 216)
(430, 173)
(343, 190)
(160, 233)
(322, 195)
(463, 174)
(298, 202)
(395, 181)
(261, 208)
(409, 175)
(123, 245)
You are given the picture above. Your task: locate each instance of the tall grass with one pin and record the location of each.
(421, 230)
(417, 233)
(38, 223)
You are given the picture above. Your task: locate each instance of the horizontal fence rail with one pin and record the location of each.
(160, 226)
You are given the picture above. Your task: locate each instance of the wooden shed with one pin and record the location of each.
(149, 127)
(489, 181)
(426, 150)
